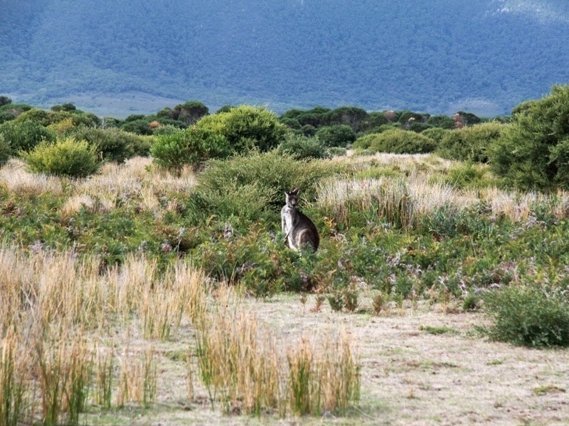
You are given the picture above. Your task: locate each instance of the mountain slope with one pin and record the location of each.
(437, 56)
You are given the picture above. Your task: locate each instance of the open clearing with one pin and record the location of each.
(419, 365)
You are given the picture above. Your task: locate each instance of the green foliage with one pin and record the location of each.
(188, 113)
(245, 128)
(529, 316)
(533, 151)
(248, 127)
(253, 187)
(435, 133)
(301, 148)
(112, 144)
(5, 150)
(5, 100)
(441, 121)
(469, 175)
(11, 111)
(364, 142)
(139, 126)
(66, 157)
(338, 135)
(471, 143)
(191, 146)
(25, 135)
(397, 142)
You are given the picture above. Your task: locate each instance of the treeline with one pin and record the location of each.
(529, 149)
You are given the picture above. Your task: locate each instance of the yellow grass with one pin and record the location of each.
(16, 178)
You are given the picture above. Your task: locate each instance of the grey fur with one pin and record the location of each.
(299, 230)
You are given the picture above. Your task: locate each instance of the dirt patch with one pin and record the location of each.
(410, 374)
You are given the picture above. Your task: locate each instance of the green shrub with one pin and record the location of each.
(533, 151)
(300, 148)
(66, 157)
(529, 316)
(398, 142)
(245, 128)
(469, 175)
(435, 133)
(25, 135)
(471, 143)
(364, 142)
(113, 144)
(441, 121)
(5, 151)
(252, 187)
(338, 135)
(140, 126)
(191, 146)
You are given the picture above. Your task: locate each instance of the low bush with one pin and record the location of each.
(25, 135)
(246, 127)
(5, 150)
(529, 316)
(435, 133)
(191, 146)
(469, 175)
(338, 135)
(66, 157)
(398, 142)
(301, 148)
(113, 144)
(471, 143)
(253, 186)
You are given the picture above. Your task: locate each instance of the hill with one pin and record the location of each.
(127, 56)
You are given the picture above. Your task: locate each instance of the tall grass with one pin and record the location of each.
(404, 203)
(15, 177)
(137, 380)
(13, 387)
(64, 371)
(51, 303)
(239, 363)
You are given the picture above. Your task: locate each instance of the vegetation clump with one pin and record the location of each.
(529, 316)
(66, 157)
(396, 141)
(300, 147)
(533, 152)
(471, 143)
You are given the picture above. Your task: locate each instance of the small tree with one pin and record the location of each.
(190, 112)
(5, 100)
(338, 135)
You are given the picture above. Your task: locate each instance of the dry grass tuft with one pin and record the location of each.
(16, 178)
(240, 365)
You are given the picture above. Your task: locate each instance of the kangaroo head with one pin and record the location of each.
(291, 198)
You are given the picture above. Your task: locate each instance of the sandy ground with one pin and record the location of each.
(410, 376)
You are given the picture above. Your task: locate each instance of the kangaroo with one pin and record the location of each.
(299, 230)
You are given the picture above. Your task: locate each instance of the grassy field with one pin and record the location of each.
(116, 307)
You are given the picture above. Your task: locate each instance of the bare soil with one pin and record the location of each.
(419, 365)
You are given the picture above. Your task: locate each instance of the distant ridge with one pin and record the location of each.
(127, 56)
